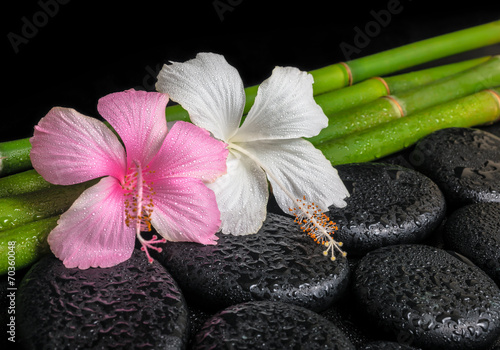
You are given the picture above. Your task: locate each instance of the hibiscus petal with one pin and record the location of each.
(69, 148)
(242, 196)
(210, 89)
(139, 118)
(92, 233)
(185, 210)
(284, 108)
(190, 151)
(302, 169)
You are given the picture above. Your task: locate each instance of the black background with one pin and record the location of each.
(84, 50)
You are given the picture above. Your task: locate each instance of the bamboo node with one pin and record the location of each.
(396, 104)
(496, 96)
(349, 73)
(384, 83)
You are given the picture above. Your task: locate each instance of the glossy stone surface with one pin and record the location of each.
(269, 325)
(464, 162)
(424, 297)
(132, 305)
(474, 231)
(385, 345)
(388, 205)
(278, 263)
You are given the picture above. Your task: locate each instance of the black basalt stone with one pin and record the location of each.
(464, 162)
(385, 345)
(131, 305)
(278, 263)
(474, 231)
(269, 325)
(388, 205)
(424, 297)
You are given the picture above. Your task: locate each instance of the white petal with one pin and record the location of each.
(284, 108)
(302, 169)
(210, 89)
(241, 195)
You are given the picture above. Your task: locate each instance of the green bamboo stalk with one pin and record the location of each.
(336, 76)
(384, 139)
(373, 88)
(331, 102)
(27, 242)
(408, 81)
(23, 182)
(393, 60)
(382, 110)
(28, 207)
(14, 156)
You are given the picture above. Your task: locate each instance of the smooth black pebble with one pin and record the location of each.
(474, 231)
(134, 304)
(385, 345)
(269, 325)
(278, 263)
(425, 297)
(464, 162)
(388, 205)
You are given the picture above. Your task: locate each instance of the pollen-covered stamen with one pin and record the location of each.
(318, 226)
(139, 205)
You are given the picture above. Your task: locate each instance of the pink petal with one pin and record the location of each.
(92, 233)
(139, 118)
(190, 151)
(69, 148)
(185, 211)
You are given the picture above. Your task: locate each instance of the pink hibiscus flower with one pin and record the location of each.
(158, 178)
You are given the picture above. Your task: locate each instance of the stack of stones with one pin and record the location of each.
(422, 233)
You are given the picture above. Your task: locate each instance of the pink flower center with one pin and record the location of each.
(138, 199)
(139, 205)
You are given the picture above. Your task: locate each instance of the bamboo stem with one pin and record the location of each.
(371, 89)
(29, 243)
(389, 61)
(405, 82)
(23, 182)
(384, 139)
(337, 76)
(33, 206)
(382, 110)
(14, 156)
(331, 102)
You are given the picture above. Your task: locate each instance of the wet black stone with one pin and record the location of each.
(278, 263)
(385, 345)
(424, 297)
(341, 314)
(132, 305)
(474, 231)
(464, 162)
(269, 325)
(388, 205)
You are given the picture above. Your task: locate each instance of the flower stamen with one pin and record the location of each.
(149, 245)
(318, 226)
(139, 208)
